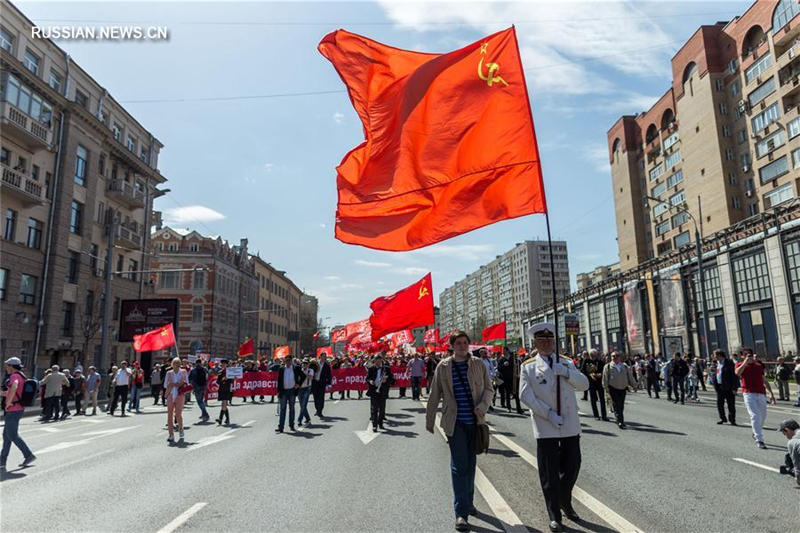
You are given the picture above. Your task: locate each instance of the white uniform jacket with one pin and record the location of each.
(537, 386)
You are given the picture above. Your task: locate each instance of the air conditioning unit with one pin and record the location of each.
(745, 168)
(749, 193)
(791, 53)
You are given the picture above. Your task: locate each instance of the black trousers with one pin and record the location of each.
(51, 407)
(595, 394)
(726, 396)
(64, 404)
(678, 384)
(120, 392)
(559, 462)
(652, 384)
(618, 399)
(155, 389)
(505, 394)
(318, 390)
(78, 401)
(377, 409)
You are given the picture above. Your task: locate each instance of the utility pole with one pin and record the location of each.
(111, 229)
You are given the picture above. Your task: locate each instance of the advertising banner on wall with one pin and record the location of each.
(634, 323)
(140, 316)
(673, 306)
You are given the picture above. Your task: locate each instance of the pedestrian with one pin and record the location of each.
(53, 384)
(491, 368)
(416, 367)
(66, 395)
(122, 381)
(797, 379)
(78, 390)
(651, 371)
(304, 392)
(289, 379)
(700, 370)
(461, 383)
(617, 377)
(379, 379)
(666, 377)
(155, 383)
(322, 378)
(725, 384)
(92, 388)
(13, 387)
(224, 393)
(783, 373)
(112, 374)
(137, 384)
(592, 368)
(791, 430)
(754, 387)
(176, 379)
(691, 379)
(430, 368)
(679, 369)
(199, 379)
(547, 386)
(505, 372)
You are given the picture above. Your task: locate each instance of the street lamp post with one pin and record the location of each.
(699, 252)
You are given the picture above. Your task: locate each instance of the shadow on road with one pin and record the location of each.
(497, 526)
(504, 453)
(406, 434)
(335, 418)
(414, 409)
(398, 415)
(318, 426)
(303, 434)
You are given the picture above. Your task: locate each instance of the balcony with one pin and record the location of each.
(24, 129)
(128, 238)
(124, 191)
(784, 36)
(16, 184)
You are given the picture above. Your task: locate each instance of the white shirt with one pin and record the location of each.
(123, 377)
(288, 378)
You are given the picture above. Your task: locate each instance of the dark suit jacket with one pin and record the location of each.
(728, 380)
(325, 377)
(383, 390)
(298, 378)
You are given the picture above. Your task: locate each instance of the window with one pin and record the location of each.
(765, 118)
(774, 170)
(194, 247)
(675, 179)
(785, 11)
(719, 84)
(762, 91)
(67, 319)
(101, 213)
(10, 229)
(735, 88)
(31, 61)
(745, 158)
(55, 81)
(76, 218)
(729, 154)
(27, 101)
(793, 128)
(88, 308)
(117, 129)
(133, 268)
(48, 192)
(172, 247)
(732, 178)
(658, 190)
(131, 144)
(793, 265)
(34, 233)
(170, 280)
(671, 140)
(660, 208)
(713, 288)
(5, 156)
(752, 210)
(656, 172)
(726, 131)
(199, 279)
(3, 283)
(73, 266)
(120, 263)
(682, 239)
(767, 144)
(673, 159)
(737, 204)
(595, 323)
(751, 278)
(755, 70)
(27, 289)
(197, 314)
(612, 313)
(81, 157)
(796, 158)
(81, 99)
(723, 109)
(680, 218)
(742, 136)
(732, 65)
(678, 198)
(94, 250)
(663, 227)
(6, 40)
(776, 196)
(35, 171)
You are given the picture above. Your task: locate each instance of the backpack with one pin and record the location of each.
(28, 392)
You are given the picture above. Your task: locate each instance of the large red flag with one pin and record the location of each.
(450, 144)
(494, 332)
(246, 348)
(409, 308)
(358, 331)
(157, 339)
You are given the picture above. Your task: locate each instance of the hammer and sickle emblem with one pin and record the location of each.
(491, 68)
(423, 291)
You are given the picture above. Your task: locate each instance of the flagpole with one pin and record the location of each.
(552, 277)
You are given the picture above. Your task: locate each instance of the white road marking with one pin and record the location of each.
(367, 435)
(73, 443)
(337, 401)
(208, 441)
(596, 506)
(759, 465)
(182, 518)
(247, 424)
(64, 465)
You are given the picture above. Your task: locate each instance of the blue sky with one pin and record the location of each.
(263, 168)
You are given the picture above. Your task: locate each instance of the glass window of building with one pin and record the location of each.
(76, 217)
(656, 172)
(680, 218)
(3, 283)
(663, 227)
(31, 61)
(170, 280)
(73, 267)
(755, 70)
(6, 40)
(27, 289)
(713, 288)
(10, 226)
(671, 140)
(197, 314)
(678, 198)
(612, 313)
(35, 233)
(793, 127)
(796, 158)
(199, 279)
(595, 324)
(660, 208)
(785, 11)
(673, 159)
(765, 118)
(659, 189)
(793, 264)
(770, 143)
(777, 196)
(81, 157)
(675, 179)
(55, 81)
(67, 318)
(773, 170)
(751, 278)
(762, 91)
(681, 239)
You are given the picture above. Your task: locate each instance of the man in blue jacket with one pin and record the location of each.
(725, 384)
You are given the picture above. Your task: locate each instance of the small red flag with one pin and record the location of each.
(157, 339)
(280, 352)
(339, 335)
(431, 336)
(494, 332)
(327, 350)
(247, 348)
(450, 144)
(409, 308)
(358, 332)
(400, 338)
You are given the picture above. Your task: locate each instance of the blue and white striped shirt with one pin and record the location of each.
(462, 393)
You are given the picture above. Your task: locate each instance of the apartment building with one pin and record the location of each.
(723, 142)
(601, 273)
(506, 289)
(75, 166)
(278, 309)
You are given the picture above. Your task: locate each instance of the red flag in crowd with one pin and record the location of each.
(431, 336)
(450, 144)
(409, 308)
(316, 335)
(157, 339)
(339, 335)
(247, 348)
(280, 352)
(401, 337)
(494, 332)
(359, 330)
(327, 350)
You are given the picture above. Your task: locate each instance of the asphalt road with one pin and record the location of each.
(673, 470)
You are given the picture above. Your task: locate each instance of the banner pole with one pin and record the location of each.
(552, 278)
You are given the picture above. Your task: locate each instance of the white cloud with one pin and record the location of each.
(374, 264)
(338, 117)
(269, 166)
(191, 213)
(560, 45)
(464, 252)
(322, 225)
(332, 278)
(598, 157)
(416, 271)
